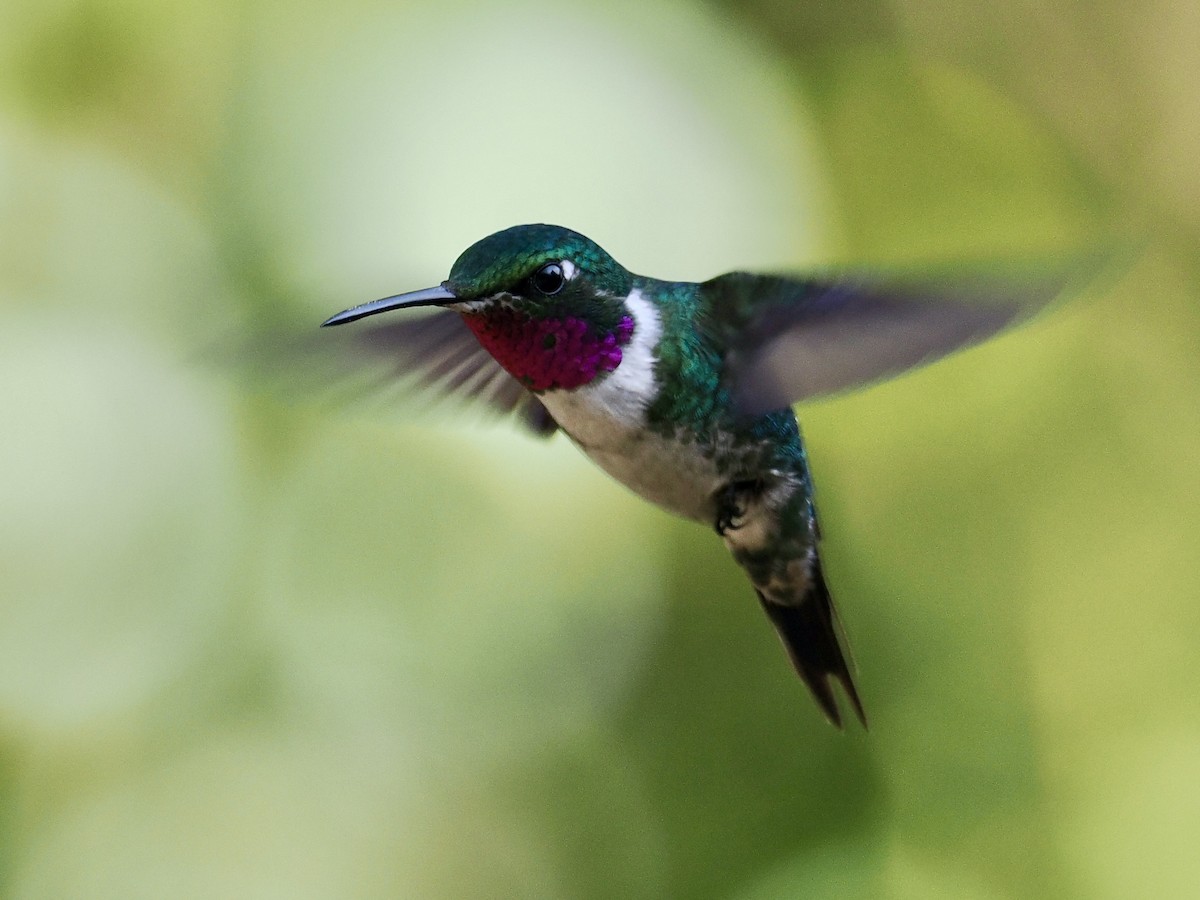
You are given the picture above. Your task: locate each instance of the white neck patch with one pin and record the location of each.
(621, 396)
(635, 375)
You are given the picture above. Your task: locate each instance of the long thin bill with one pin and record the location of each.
(434, 296)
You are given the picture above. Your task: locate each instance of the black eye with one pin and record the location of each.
(549, 279)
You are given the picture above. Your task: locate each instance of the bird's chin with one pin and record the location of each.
(480, 304)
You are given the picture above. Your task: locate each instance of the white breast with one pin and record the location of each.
(607, 419)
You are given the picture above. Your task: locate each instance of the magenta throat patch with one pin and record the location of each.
(545, 354)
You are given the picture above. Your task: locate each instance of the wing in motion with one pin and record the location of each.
(434, 357)
(790, 339)
(443, 358)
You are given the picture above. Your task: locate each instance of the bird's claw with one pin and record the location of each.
(732, 505)
(730, 520)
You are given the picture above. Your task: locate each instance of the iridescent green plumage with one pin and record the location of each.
(688, 359)
(507, 258)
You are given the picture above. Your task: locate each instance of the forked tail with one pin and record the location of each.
(811, 633)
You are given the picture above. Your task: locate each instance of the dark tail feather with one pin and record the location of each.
(810, 632)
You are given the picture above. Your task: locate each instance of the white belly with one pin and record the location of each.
(675, 476)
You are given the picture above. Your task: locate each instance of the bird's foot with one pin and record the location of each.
(732, 501)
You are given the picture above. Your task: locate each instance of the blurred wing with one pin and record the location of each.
(433, 357)
(790, 339)
(439, 355)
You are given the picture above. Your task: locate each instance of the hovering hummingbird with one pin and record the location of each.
(683, 391)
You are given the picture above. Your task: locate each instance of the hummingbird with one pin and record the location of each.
(683, 391)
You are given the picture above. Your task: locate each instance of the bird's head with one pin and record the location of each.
(545, 301)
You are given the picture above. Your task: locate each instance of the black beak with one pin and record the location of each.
(434, 296)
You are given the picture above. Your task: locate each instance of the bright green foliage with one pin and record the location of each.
(255, 650)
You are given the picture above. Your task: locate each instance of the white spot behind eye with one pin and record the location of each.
(568, 269)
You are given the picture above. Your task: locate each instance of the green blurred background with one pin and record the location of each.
(253, 648)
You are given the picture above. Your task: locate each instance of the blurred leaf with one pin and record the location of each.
(257, 650)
